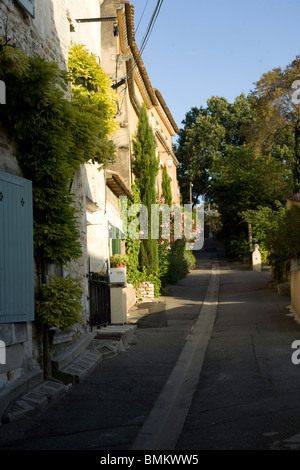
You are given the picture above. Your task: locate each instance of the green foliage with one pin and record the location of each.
(132, 241)
(264, 223)
(59, 304)
(118, 260)
(190, 259)
(207, 134)
(240, 155)
(145, 168)
(237, 247)
(55, 137)
(166, 187)
(243, 182)
(93, 96)
(178, 262)
(175, 260)
(135, 272)
(284, 241)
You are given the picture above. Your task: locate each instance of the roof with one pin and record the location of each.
(153, 96)
(294, 197)
(117, 184)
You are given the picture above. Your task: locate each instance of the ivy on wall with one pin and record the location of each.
(54, 137)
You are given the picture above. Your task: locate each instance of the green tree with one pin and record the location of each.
(166, 187)
(198, 143)
(239, 156)
(145, 168)
(207, 135)
(276, 128)
(55, 137)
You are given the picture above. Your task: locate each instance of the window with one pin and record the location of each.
(16, 250)
(28, 5)
(116, 243)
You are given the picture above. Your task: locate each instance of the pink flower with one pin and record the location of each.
(168, 247)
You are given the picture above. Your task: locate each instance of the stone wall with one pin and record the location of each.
(47, 35)
(19, 358)
(145, 291)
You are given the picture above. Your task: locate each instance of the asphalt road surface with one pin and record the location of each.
(219, 345)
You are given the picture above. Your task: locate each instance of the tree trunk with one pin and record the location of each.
(297, 159)
(250, 237)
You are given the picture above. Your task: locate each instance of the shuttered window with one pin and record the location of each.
(28, 5)
(16, 250)
(116, 243)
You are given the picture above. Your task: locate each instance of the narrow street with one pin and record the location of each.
(247, 395)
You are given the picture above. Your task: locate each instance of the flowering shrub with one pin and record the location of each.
(174, 260)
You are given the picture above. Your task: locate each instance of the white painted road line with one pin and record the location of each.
(165, 422)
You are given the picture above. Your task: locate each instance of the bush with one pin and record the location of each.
(59, 305)
(118, 260)
(284, 241)
(237, 247)
(190, 259)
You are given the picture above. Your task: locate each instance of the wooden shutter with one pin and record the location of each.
(28, 5)
(16, 250)
(116, 243)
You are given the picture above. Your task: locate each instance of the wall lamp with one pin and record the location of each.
(170, 161)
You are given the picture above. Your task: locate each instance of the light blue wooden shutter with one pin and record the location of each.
(16, 250)
(28, 5)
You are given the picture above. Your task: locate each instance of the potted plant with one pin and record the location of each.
(117, 272)
(118, 261)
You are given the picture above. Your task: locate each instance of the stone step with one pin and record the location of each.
(68, 369)
(79, 347)
(18, 410)
(80, 367)
(33, 400)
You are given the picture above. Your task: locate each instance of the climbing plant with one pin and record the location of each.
(54, 137)
(166, 187)
(145, 168)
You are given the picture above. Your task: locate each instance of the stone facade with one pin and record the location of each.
(145, 291)
(122, 61)
(48, 34)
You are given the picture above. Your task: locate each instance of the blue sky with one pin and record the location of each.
(204, 48)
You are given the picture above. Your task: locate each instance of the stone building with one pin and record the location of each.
(122, 60)
(40, 28)
(46, 28)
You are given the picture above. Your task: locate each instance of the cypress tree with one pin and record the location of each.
(166, 187)
(145, 168)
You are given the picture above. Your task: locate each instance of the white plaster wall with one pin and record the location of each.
(97, 222)
(88, 34)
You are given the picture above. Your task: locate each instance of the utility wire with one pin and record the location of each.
(151, 25)
(148, 31)
(142, 16)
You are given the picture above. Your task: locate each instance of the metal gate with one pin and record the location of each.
(99, 299)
